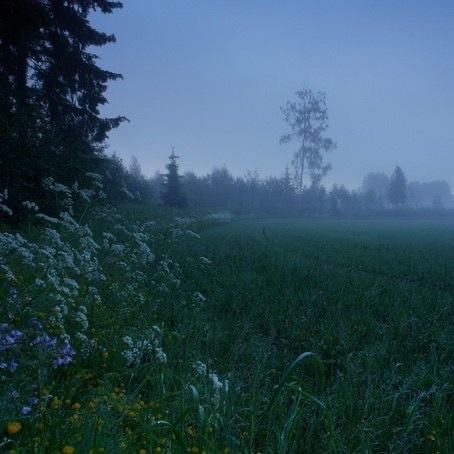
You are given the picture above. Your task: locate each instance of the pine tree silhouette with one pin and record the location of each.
(397, 191)
(172, 188)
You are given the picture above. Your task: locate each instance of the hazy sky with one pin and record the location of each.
(210, 76)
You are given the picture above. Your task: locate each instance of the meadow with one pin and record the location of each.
(124, 333)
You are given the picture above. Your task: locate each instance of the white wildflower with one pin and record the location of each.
(4, 208)
(81, 317)
(32, 206)
(49, 219)
(219, 386)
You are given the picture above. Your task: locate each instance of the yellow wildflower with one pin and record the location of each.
(13, 427)
(68, 450)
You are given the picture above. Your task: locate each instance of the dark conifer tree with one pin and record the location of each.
(72, 86)
(172, 188)
(50, 92)
(397, 191)
(287, 181)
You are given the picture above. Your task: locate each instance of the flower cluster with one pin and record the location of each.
(75, 284)
(144, 349)
(4, 208)
(219, 386)
(32, 206)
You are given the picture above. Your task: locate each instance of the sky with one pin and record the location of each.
(210, 76)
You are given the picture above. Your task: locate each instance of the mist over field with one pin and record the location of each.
(226, 226)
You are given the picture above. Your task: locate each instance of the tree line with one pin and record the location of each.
(51, 92)
(219, 190)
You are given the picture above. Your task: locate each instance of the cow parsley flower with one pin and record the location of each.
(32, 206)
(81, 317)
(3, 207)
(142, 350)
(219, 386)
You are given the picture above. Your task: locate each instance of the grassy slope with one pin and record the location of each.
(372, 298)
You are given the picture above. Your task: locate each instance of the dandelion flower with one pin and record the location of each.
(68, 450)
(13, 427)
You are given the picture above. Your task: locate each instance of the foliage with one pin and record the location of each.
(308, 121)
(83, 298)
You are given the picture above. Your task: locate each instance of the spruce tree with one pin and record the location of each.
(287, 182)
(397, 191)
(172, 190)
(72, 85)
(50, 92)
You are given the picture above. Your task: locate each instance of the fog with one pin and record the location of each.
(210, 77)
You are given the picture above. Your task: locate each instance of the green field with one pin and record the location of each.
(373, 299)
(159, 337)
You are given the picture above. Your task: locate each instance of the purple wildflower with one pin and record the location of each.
(9, 339)
(35, 324)
(26, 410)
(65, 356)
(12, 366)
(45, 342)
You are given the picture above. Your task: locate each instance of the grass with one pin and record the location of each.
(334, 336)
(372, 299)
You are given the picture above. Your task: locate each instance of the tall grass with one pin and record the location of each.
(189, 334)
